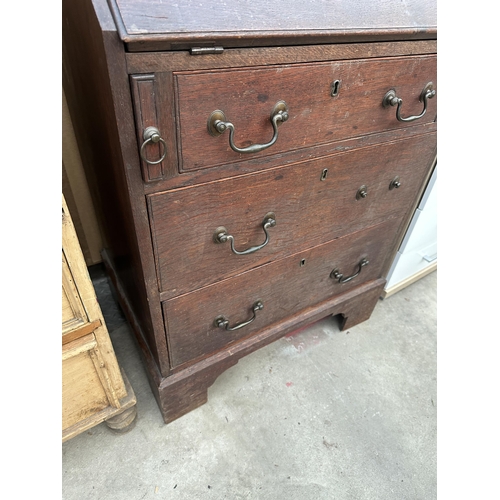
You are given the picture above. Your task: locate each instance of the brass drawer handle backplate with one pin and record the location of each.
(391, 99)
(221, 236)
(152, 135)
(217, 125)
(337, 275)
(223, 322)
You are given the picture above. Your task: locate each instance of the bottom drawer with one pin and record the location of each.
(282, 288)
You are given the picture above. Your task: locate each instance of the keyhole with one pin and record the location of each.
(302, 262)
(335, 88)
(324, 174)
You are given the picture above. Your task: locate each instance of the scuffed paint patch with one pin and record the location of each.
(135, 30)
(306, 340)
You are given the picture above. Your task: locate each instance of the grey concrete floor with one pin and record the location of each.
(320, 414)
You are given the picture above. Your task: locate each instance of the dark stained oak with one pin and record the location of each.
(176, 180)
(284, 287)
(247, 98)
(144, 92)
(182, 60)
(186, 389)
(146, 25)
(128, 64)
(309, 211)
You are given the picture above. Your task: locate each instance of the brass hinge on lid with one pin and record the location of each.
(200, 51)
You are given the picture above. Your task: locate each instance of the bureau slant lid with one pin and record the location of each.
(146, 25)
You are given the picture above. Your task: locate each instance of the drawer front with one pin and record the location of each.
(284, 288)
(326, 102)
(309, 209)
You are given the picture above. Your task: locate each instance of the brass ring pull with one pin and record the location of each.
(217, 125)
(223, 322)
(337, 275)
(221, 235)
(391, 99)
(152, 135)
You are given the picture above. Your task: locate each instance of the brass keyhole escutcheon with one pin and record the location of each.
(335, 88)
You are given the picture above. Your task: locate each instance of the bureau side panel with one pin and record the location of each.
(98, 93)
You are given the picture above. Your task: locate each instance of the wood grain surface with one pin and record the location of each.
(186, 388)
(284, 287)
(182, 60)
(146, 25)
(308, 211)
(247, 98)
(128, 65)
(91, 377)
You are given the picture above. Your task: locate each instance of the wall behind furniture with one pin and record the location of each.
(77, 193)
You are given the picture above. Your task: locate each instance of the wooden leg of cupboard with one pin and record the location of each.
(123, 421)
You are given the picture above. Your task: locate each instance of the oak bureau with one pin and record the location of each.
(255, 165)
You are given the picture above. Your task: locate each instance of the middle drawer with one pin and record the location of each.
(313, 202)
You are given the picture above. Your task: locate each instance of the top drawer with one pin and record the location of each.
(325, 102)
